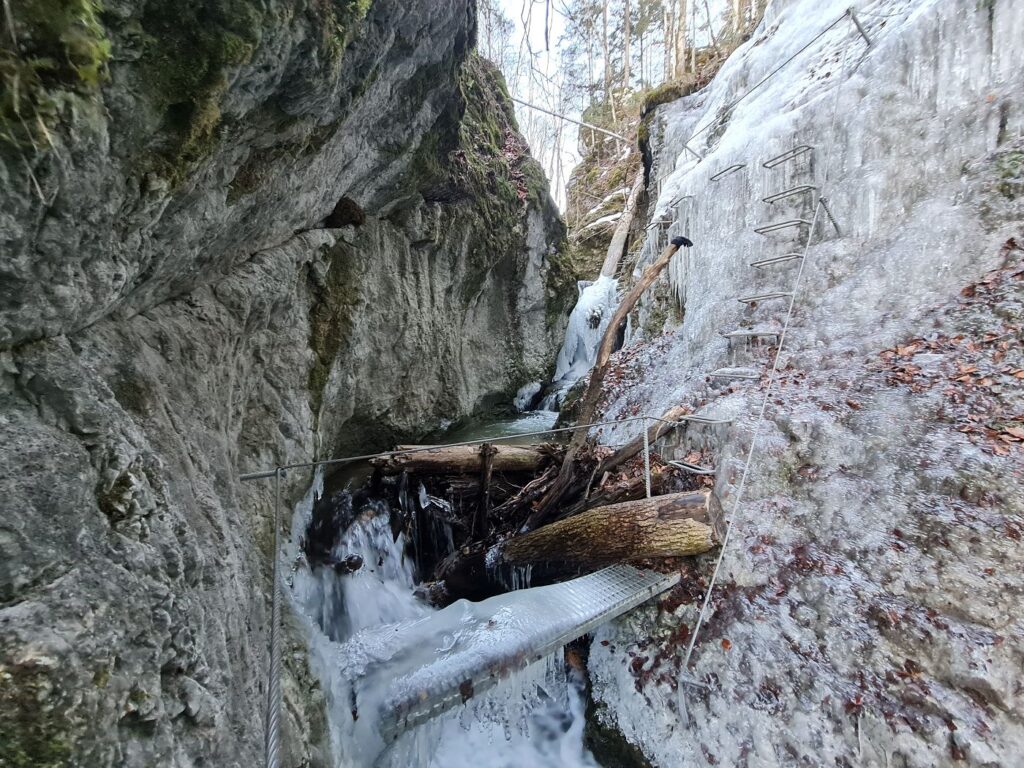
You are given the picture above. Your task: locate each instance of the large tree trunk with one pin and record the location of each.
(593, 394)
(459, 459)
(676, 525)
(680, 40)
(618, 244)
(627, 34)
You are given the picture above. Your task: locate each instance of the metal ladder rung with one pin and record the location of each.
(791, 192)
(764, 297)
(802, 149)
(751, 334)
(777, 259)
(782, 225)
(695, 469)
(727, 171)
(679, 199)
(695, 418)
(735, 373)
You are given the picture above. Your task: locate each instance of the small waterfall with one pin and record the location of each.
(536, 718)
(587, 324)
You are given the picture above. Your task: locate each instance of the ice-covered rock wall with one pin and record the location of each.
(869, 605)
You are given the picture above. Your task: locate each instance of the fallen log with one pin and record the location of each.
(675, 525)
(618, 242)
(463, 459)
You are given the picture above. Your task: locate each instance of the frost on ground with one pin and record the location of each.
(868, 611)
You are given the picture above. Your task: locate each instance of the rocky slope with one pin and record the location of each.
(868, 610)
(234, 234)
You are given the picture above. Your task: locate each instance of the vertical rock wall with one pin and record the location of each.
(233, 234)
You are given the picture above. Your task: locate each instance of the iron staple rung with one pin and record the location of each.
(751, 334)
(777, 259)
(764, 297)
(695, 469)
(726, 171)
(735, 373)
(782, 225)
(795, 152)
(791, 192)
(698, 419)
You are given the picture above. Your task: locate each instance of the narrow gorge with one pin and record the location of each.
(242, 240)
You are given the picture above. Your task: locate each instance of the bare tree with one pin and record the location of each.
(680, 40)
(627, 35)
(668, 34)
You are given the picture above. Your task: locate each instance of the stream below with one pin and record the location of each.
(534, 718)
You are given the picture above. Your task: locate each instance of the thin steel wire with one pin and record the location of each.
(261, 475)
(273, 727)
(729, 107)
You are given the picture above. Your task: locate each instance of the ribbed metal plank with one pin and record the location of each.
(727, 171)
(570, 609)
(791, 192)
(790, 154)
(780, 225)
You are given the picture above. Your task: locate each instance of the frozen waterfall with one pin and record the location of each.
(587, 324)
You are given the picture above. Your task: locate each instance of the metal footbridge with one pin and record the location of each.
(424, 668)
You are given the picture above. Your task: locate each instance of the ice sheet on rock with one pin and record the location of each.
(524, 397)
(587, 323)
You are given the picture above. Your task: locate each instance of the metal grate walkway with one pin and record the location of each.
(505, 634)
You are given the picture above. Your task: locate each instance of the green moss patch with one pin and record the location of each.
(58, 45)
(34, 731)
(330, 319)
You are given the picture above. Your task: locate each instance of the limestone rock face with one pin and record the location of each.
(239, 234)
(868, 609)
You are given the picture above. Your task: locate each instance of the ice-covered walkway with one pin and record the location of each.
(404, 674)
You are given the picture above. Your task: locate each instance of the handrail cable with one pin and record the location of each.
(724, 113)
(263, 474)
(761, 413)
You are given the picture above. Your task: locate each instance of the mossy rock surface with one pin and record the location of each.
(34, 729)
(54, 46)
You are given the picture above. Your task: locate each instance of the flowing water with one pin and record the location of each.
(535, 718)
